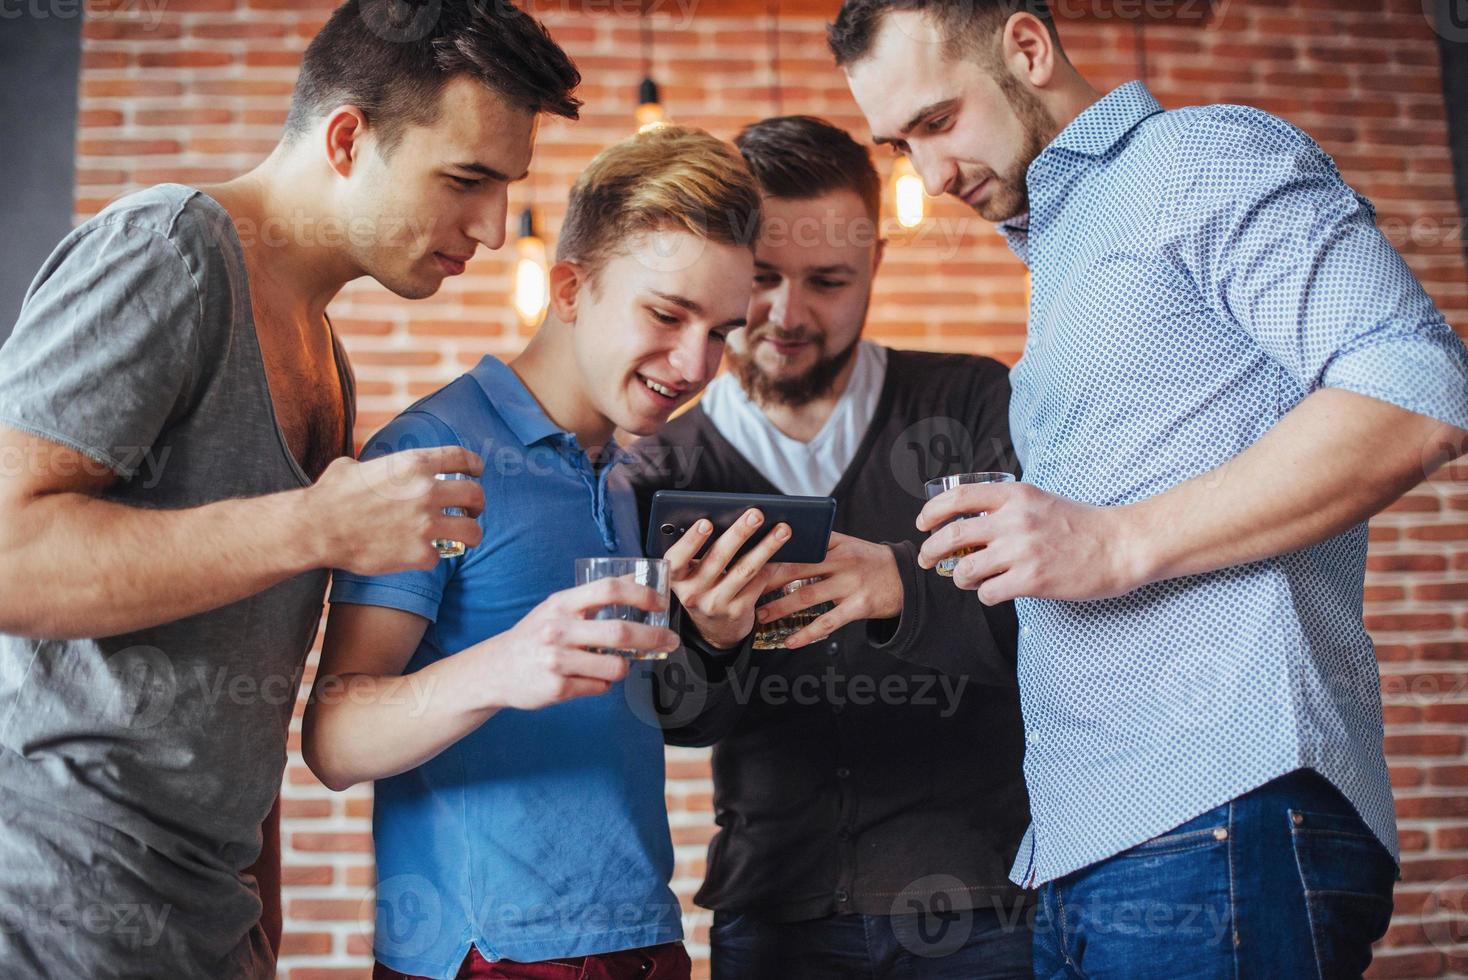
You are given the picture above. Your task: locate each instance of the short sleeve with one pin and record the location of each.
(417, 592)
(105, 353)
(1281, 246)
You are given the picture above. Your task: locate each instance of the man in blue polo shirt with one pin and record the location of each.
(519, 813)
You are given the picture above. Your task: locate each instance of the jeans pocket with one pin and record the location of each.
(1347, 877)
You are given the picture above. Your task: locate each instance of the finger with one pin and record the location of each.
(972, 570)
(823, 627)
(1001, 588)
(464, 494)
(747, 568)
(446, 459)
(783, 573)
(577, 663)
(620, 634)
(826, 590)
(680, 555)
(616, 591)
(966, 532)
(717, 560)
(970, 498)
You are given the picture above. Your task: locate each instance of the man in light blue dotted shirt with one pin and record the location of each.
(1228, 371)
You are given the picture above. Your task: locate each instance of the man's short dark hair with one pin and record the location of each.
(969, 27)
(802, 157)
(391, 58)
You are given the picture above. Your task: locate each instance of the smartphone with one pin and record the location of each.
(809, 518)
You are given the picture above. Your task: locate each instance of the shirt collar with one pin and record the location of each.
(523, 414)
(1107, 120)
(513, 401)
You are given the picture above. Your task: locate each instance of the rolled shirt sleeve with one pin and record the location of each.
(1293, 256)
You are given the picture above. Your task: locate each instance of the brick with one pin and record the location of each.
(345, 841)
(1395, 965)
(305, 944)
(304, 809)
(307, 874)
(92, 118)
(1441, 744)
(1451, 591)
(126, 147)
(195, 116)
(184, 59)
(324, 909)
(1406, 563)
(1437, 869)
(1439, 532)
(1408, 622)
(118, 29)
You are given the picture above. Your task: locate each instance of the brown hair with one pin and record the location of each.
(391, 58)
(671, 177)
(801, 157)
(969, 27)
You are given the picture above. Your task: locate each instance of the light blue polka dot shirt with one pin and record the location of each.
(1196, 273)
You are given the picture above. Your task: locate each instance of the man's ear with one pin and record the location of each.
(1028, 49)
(567, 279)
(345, 130)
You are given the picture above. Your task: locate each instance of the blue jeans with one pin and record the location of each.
(982, 944)
(1284, 881)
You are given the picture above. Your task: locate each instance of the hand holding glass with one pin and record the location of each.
(650, 572)
(446, 548)
(943, 484)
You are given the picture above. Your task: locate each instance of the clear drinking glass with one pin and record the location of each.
(651, 572)
(943, 484)
(772, 635)
(447, 548)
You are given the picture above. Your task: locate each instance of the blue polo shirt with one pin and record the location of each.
(541, 834)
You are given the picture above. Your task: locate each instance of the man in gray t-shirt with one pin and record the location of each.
(173, 412)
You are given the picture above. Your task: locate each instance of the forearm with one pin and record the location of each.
(1332, 462)
(73, 565)
(945, 628)
(695, 692)
(361, 727)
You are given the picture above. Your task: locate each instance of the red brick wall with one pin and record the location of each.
(197, 92)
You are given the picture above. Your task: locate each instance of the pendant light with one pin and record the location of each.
(908, 193)
(649, 113)
(532, 274)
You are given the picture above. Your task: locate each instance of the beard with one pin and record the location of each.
(815, 381)
(1011, 196)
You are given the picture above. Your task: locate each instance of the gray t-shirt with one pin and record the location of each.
(136, 770)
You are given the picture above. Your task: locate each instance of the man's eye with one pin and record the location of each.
(464, 183)
(828, 283)
(718, 336)
(766, 280)
(662, 317)
(936, 123)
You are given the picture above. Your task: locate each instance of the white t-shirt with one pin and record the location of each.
(794, 467)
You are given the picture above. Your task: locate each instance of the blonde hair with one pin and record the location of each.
(676, 178)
